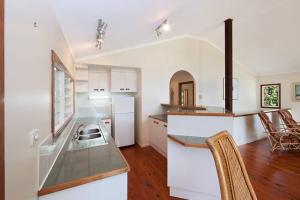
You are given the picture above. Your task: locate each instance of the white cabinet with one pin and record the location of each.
(131, 81)
(98, 82)
(158, 136)
(123, 81)
(107, 124)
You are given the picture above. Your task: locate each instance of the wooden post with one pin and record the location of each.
(2, 166)
(228, 65)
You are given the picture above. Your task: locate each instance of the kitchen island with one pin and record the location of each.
(87, 173)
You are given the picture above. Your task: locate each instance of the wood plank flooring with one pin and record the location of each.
(147, 179)
(274, 176)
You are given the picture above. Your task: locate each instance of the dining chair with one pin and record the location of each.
(233, 177)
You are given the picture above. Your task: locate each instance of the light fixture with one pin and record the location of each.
(100, 33)
(163, 27)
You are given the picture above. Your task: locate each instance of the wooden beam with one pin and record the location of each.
(228, 65)
(2, 166)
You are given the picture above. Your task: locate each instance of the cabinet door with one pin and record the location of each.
(131, 81)
(118, 81)
(104, 81)
(107, 124)
(98, 82)
(152, 132)
(164, 138)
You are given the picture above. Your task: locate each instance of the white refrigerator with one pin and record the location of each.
(123, 120)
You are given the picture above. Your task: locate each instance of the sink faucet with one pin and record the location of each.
(76, 135)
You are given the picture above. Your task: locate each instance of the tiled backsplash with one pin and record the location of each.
(49, 150)
(86, 107)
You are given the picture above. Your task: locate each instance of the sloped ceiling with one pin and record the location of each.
(266, 32)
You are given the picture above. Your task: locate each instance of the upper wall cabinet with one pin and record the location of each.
(98, 82)
(123, 80)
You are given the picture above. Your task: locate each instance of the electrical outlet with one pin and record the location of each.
(33, 137)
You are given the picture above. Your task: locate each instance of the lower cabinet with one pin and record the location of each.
(107, 124)
(158, 136)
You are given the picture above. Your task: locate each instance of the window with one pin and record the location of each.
(62, 96)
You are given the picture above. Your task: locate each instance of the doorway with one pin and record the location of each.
(182, 89)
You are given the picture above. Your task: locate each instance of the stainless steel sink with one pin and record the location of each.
(89, 131)
(89, 136)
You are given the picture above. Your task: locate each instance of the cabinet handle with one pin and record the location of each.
(102, 89)
(106, 122)
(96, 90)
(127, 89)
(122, 89)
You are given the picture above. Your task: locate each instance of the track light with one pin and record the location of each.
(100, 33)
(163, 27)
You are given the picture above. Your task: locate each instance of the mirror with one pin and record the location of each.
(182, 89)
(62, 95)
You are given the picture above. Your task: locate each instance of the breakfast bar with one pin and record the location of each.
(191, 169)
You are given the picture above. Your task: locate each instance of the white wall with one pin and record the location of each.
(28, 89)
(287, 93)
(158, 62)
(212, 62)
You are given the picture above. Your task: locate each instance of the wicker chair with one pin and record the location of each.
(281, 139)
(233, 177)
(289, 121)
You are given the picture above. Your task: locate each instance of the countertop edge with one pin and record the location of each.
(187, 144)
(84, 180)
(202, 114)
(256, 112)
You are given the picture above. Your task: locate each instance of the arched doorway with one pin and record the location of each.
(182, 89)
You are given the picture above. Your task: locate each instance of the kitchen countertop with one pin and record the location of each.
(160, 117)
(77, 167)
(208, 111)
(189, 141)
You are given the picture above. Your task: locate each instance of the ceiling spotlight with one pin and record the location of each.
(163, 27)
(100, 33)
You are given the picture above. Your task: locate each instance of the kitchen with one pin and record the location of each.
(118, 101)
(84, 146)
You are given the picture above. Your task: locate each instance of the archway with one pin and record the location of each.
(182, 89)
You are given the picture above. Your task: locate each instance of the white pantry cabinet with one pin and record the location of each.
(158, 135)
(98, 82)
(123, 80)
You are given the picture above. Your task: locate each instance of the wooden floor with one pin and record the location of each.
(274, 176)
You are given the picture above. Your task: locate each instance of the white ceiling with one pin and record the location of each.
(266, 32)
